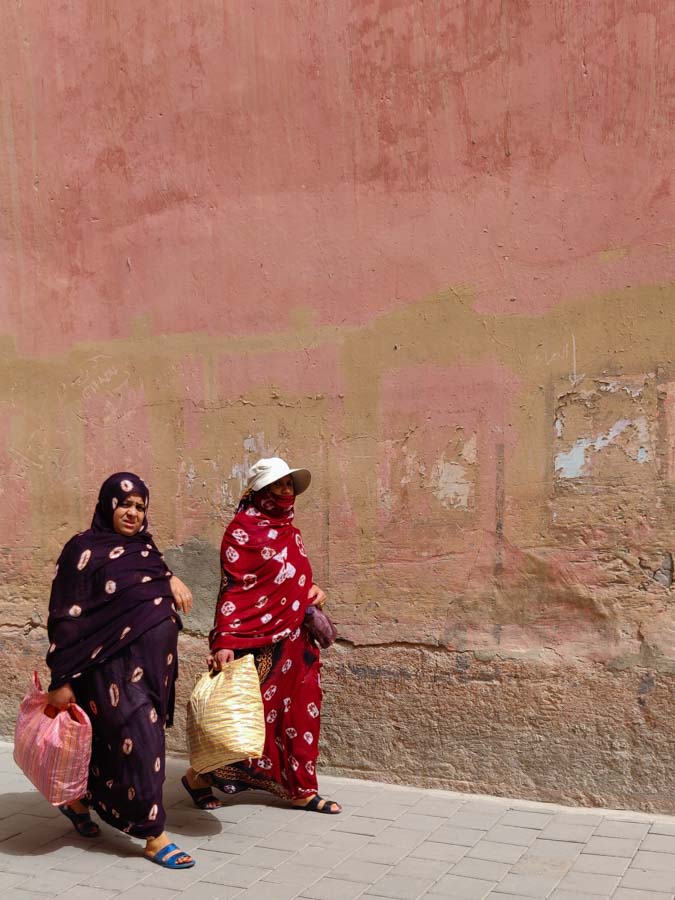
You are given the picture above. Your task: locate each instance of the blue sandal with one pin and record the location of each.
(172, 862)
(82, 822)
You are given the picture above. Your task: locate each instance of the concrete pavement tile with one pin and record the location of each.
(230, 814)
(589, 883)
(660, 843)
(229, 842)
(381, 853)
(124, 878)
(315, 823)
(360, 825)
(529, 885)
(399, 887)
(549, 850)
(266, 890)
(600, 865)
(84, 863)
(256, 826)
(360, 870)
(202, 890)
(334, 889)
(24, 864)
(480, 821)
(521, 818)
(237, 876)
(265, 857)
(449, 834)
(322, 855)
(496, 851)
(540, 866)
(10, 879)
(137, 863)
(488, 806)
(656, 862)
(581, 817)
(431, 850)
(480, 868)
(456, 886)
(662, 828)
(415, 822)
(423, 868)
(608, 846)
(17, 894)
(575, 895)
(506, 834)
(343, 840)
(301, 876)
(281, 840)
(79, 892)
(641, 879)
(399, 837)
(618, 829)
(497, 894)
(556, 831)
(429, 806)
(388, 811)
(630, 894)
(147, 892)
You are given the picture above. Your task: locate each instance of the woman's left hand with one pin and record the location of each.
(181, 594)
(316, 596)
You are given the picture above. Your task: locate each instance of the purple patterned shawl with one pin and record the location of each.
(108, 588)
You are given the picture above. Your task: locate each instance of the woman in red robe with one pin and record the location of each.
(266, 590)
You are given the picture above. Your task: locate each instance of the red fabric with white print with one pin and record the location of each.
(292, 704)
(266, 581)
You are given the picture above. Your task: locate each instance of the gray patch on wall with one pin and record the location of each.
(197, 563)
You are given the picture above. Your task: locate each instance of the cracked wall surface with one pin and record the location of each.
(425, 250)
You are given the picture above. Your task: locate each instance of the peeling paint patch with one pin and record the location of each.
(571, 464)
(605, 427)
(469, 450)
(450, 485)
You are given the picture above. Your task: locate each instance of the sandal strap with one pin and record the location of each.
(162, 854)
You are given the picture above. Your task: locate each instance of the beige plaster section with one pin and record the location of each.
(438, 520)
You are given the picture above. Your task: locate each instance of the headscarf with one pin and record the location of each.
(108, 588)
(266, 576)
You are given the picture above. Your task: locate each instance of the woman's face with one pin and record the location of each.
(283, 487)
(129, 516)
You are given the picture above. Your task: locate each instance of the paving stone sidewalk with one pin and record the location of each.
(390, 842)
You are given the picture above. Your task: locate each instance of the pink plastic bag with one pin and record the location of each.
(53, 752)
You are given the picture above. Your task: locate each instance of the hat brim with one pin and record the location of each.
(301, 480)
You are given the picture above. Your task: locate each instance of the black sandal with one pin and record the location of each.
(82, 822)
(318, 804)
(203, 798)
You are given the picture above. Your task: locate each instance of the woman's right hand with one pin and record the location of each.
(219, 659)
(61, 697)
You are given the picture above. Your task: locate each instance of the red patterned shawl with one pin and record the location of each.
(266, 580)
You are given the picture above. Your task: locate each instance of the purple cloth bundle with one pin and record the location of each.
(320, 627)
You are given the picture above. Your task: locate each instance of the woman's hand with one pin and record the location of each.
(61, 697)
(181, 594)
(316, 596)
(220, 658)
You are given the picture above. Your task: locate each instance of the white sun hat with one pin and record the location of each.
(267, 471)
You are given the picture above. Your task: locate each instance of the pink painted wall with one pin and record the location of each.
(426, 249)
(215, 167)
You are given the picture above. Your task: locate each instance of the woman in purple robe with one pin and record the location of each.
(113, 627)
